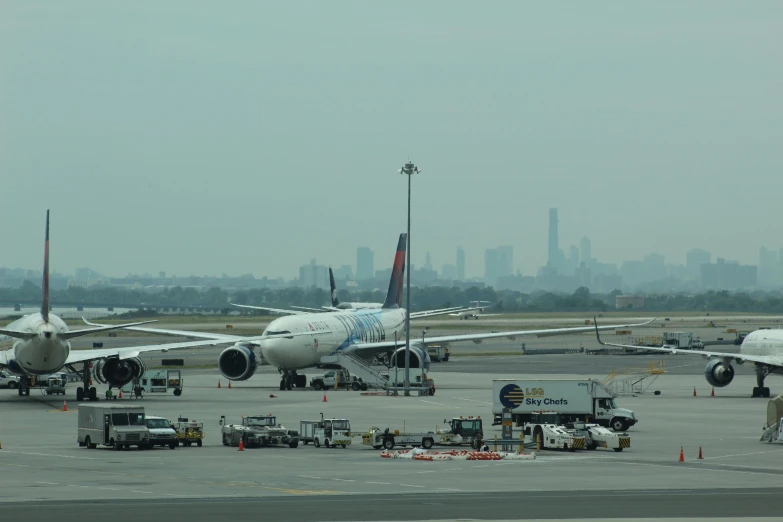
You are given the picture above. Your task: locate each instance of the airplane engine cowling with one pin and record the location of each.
(238, 362)
(118, 372)
(419, 358)
(718, 373)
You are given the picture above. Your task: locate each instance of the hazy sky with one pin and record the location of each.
(211, 137)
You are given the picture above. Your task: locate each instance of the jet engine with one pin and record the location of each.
(719, 373)
(118, 372)
(238, 362)
(419, 358)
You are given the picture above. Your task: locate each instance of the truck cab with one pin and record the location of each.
(329, 432)
(607, 413)
(467, 428)
(161, 432)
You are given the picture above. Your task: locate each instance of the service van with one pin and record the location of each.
(117, 426)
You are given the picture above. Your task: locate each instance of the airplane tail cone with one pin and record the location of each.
(694, 391)
(65, 405)
(241, 445)
(700, 455)
(682, 455)
(324, 397)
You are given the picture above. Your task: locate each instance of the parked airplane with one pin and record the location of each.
(42, 346)
(475, 312)
(763, 348)
(337, 305)
(363, 333)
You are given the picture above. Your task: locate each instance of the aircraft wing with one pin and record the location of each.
(98, 329)
(738, 357)
(479, 337)
(311, 310)
(133, 351)
(441, 311)
(280, 311)
(16, 334)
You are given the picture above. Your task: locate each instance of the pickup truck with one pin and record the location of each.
(8, 380)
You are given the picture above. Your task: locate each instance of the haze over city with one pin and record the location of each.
(183, 138)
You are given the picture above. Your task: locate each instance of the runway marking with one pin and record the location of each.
(137, 491)
(448, 489)
(50, 455)
(420, 472)
(473, 400)
(344, 480)
(380, 483)
(740, 455)
(482, 466)
(75, 486)
(50, 483)
(308, 476)
(691, 468)
(433, 402)
(112, 489)
(411, 486)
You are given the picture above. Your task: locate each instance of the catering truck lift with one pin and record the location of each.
(459, 431)
(573, 399)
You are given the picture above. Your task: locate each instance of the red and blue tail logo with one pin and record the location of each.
(394, 295)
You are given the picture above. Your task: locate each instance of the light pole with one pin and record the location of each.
(408, 169)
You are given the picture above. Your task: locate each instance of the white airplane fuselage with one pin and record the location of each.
(763, 343)
(44, 353)
(339, 331)
(359, 306)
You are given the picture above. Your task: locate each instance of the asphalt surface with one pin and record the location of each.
(562, 505)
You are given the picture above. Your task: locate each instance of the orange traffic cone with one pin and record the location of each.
(682, 455)
(229, 385)
(65, 406)
(120, 397)
(712, 393)
(700, 456)
(324, 396)
(694, 391)
(218, 383)
(241, 445)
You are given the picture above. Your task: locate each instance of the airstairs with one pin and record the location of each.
(634, 381)
(358, 368)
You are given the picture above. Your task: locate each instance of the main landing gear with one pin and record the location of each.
(85, 391)
(761, 374)
(24, 386)
(289, 379)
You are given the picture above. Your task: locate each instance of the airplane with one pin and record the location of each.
(474, 312)
(360, 333)
(337, 305)
(42, 347)
(763, 348)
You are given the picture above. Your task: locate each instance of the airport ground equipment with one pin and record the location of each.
(327, 432)
(549, 435)
(335, 379)
(773, 428)
(118, 426)
(634, 381)
(156, 381)
(258, 431)
(8, 380)
(595, 436)
(438, 352)
(682, 340)
(356, 369)
(162, 433)
(189, 432)
(573, 399)
(55, 385)
(459, 431)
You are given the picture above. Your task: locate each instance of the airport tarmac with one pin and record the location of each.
(739, 477)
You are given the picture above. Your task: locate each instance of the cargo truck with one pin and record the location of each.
(573, 399)
(118, 426)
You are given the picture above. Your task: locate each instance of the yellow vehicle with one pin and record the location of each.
(189, 432)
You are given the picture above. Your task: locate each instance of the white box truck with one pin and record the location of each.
(118, 426)
(573, 399)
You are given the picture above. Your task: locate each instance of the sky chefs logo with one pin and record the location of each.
(511, 396)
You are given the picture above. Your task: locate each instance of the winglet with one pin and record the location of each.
(333, 289)
(394, 295)
(45, 285)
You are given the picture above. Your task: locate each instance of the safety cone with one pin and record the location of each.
(700, 456)
(712, 393)
(65, 406)
(218, 383)
(229, 385)
(324, 397)
(273, 396)
(120, 397)
(241, 445)
(682, 455)
(694, 391)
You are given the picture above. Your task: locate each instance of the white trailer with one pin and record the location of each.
(118, 426)
(573, 399)
(459, 431)
(328, 432)
(155, 381)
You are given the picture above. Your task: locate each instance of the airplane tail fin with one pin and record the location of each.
(45, 285)
(394, 295)
(333, 289)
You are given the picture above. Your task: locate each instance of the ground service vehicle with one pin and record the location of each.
(595, 436)
(189, 432)
(156, 381)
(573, 399)
(552, 436)
(460, 431)
(259, 431)
(337, 378)
(8, 380)
(161, 433)
(697, 344)
(55, 385)
(118, 426)
(681, 340)
(329, 432)
(439, 352)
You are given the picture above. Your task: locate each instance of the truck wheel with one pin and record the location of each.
(426, 443)
(244, 440)
(198, 443)
(388, 443)
(364, 386)
(326, 443)
(226, 441)
(177, 392)
(592, 445)
(294, 444)
(317, 443)
(355, 386)
(617, 424)
(318, 385)
(377, 447)
(173, 445)
(618, 450)
(13, 385)
(87, 442)
(342, 446)
(82, 444)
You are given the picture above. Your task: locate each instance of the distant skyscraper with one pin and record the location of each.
(554, 249)
(365, 264)
(505, 261)
(460, 264)
(313, 275)
(694, 259)
(427, 262)
(448, 272)
(573, 258)
(585, 253)
(491, 266)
